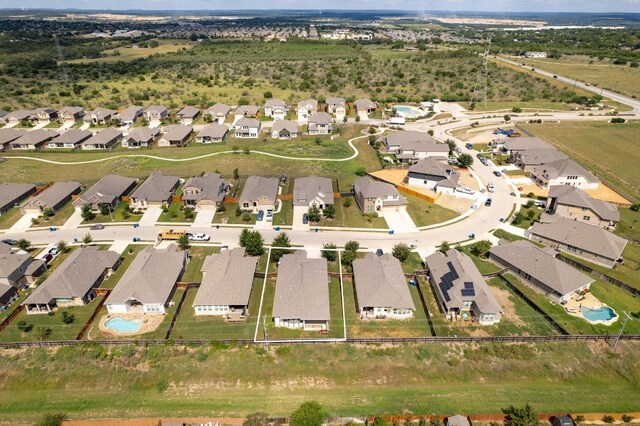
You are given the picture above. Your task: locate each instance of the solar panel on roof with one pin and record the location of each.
(468, 292)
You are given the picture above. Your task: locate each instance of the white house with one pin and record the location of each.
(564, 172)
(433, 174)
(247, 128)
(276, 108)
(306, 109)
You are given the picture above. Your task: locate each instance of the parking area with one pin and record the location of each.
(204, 217)
(399, 220)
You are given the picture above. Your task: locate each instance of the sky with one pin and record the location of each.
(419, 5)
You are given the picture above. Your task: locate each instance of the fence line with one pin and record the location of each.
(10, 317)
(600, 275)
(426, 310)
(179, 308)
(95, 313)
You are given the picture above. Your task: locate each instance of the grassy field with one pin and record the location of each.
(197, 255)
(285, 217)
(629, 225)
(126, 54)
(609, 150)
(10, 217)
(425, 213)
(526, 106)
(59, 218)
(117, 214)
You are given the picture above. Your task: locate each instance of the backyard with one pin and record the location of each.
(425, 213)
(197, 256)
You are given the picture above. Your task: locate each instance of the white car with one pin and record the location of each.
(269, 215)
(490, 187)
(199, 237)
(465, 190)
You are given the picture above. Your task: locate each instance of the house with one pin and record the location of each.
(457, 420)
(306, 108)
(70, 139)
(34, 139)
(579, 239)
(141, 137)
(213, 133)
(8, 135)
(519, 145)
(12, 194)
(573, 203)
(461, 289)
(374, 196)
(247, 111)
(17, 271)
(188, 114)
(276, 108)
(73, 283)
(381, 288)
(100, 116)
(218, 112)
(156, 113)
(104, 139)
(147, 286)
(365, 106)
(433, 174)
(284, 129)
(313, 191)
(336, 106)
(204, 192)
(535, 54)
(70, 114)
(540, 269)
(411, 146)
(227, 283)
(302, 293)
(44, 115)
(16, 117)
(528, 160)
(320, 123)
(564, 172)
(54, 197)
(259, 193)
(107, 191)
(247, 128)
(131, 114)
(155, 191)
(175, 135)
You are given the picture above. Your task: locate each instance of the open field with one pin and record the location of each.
(609, 150)
(629, 226)
(126, 54)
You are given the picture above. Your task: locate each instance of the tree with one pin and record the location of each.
(267, 95)
(329, 211)
(465, 160)
(24, 327)
(521, 416)
(481, 248)
(23, 244)
(347, 257)
(42, 332)
(256, 419)
(68, 318)
(105, 209)
(183, 242)
(188, 213)
(314, 214)
(246, 217)
(352, 246)
(51, 419)
(517, 218)
(452, 146)
(329, 252)
(308, 414)
(531, 214)
(236, 173)
(507, 117)
(361, 171)
(254, 244)
(281, 240)
(444, 246)
(87, 239)
(244, 237)
(516, 109)
(62, 246)
(48, 212)
(401, 251)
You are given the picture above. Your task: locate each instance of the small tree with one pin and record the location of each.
(244, 237)
(518, 218)
(531, 214)
(246, 217)
(68, 318)
(51, 419)
(254, 244)
(235, 149)
(352, 246)
(507, 117)
(329, 252)
(608, 418)
(361, 171)
(481, 248)
(401, 251)
(308, 414)
(521, 416)
(87, 239)
(281, 240)
(236, 173)
(256, 419)
(42, 332)
(24, 327)
(62, 246)
(48, 212)
(347, 257)
(105, 209)
(314, 214)
(347, 202)
(188, 213)
(452, 146)
(329, 211)
(183, 242)
(267, 95)
(23, 244)
(444, 246)
(465, 160)
(238, 211)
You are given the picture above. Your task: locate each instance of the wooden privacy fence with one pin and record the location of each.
(420, 195)
(95, 313)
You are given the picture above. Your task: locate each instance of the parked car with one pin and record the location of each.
(47, 258)
(10, 242)
(464, 190)
(458, 150)
(488, 202)
(469, 146)
(269, 215)
(260, 215)
(96, 227)
(379, 252)
(53, 251)
(305, 219)
(452, 160)
(497, 173)
(199, 237)
(490, 187)
(539, 203)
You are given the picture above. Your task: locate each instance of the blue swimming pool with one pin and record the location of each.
(122, 325)
(603, 313)
(408, 111)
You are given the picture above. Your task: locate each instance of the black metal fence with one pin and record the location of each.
(600, 275)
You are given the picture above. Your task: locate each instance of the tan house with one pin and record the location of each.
(336, 106)
(12, 194)
(212, 133)
(54, 198)
(285, 129)
(175, 135)
(188, 114)
(573, 203)
(100, 116)
(156, 113)
(259, 193)
(44, 115)
(306, 109)
(374, 196)
(141, 137)
(320, 123)
(365, 106)
(205, 192)
(218, 112)
(157, 190)
(70, 114)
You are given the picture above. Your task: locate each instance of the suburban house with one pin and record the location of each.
(302, 293)
(70, 114)
(34, 139)
(579, 239)
(204, 192)
(175, 135)
(284, 129)
(306, 109)
(16, 271)
(156, 113)
(573, 203)
(247, 128)
(227, 283)
(107, 191)
(540, 269)
(44, 115)
(54, 197)
(461, 289)
(320, 123)
(259, 193)
(147, 286)
(518, 145)
(336, 106)
(131, 114)
(276, 108)
(8, 135)
(101, 116)
(433, 174)
(411, 146)
(247, 111)
(188, 114)
(218, 112)
(141, 137)
(3, 114)
(70, 139)
(564, 172)
(365, 106)
(12, 194)
(104, 139)
(155, 191)
(381, 288)
(73, 283)
(15, 117)
(374, 196)
(212, 133)
(457, 420)
(313, 191)
(528, 160)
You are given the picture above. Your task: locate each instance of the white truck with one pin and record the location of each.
(397, 121)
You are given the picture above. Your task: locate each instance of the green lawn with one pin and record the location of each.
(629, 226)
(484, 266)
(190, 326)
(229, 216)
(425, 213)
(197, 255)
(10, 217)
(285, 217)
(117, 214)
(127, 256)
(502, 234)
(351, 216)
(59, 218)
(413, 263)
(175, 213)
(627, 272)
(529, 218)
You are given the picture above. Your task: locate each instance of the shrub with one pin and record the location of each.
(348, 201)
(361, 171)
(329, 252)
(626, 418)
(608, 419)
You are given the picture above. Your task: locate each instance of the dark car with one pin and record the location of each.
(469, 146)
(497, 173)
(379, 252)
(96, 227)
(488, 202)
(555, 76)
(305, 219)
(260, 215)
(10, 242)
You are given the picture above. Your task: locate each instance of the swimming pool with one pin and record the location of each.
(123, 325)
(408, 111)
(603, 313)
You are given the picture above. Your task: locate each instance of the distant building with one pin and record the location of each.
(535, 54)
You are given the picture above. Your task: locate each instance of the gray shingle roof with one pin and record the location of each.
(525, 144)
(310, 104)
(219, 109)
(75, 276)
(157, 108)
(336, 101)
(308, 188)
(574, 196)
(101, 112)
(9, 192)
(213, 130)
(257, 187)
(156, 188)
(53, 195)
(228, 279)
(150, 278)
(107, 136)
(9, 135)
(248, 122)
(131, 113)
(74, 136)
(302, 288)
(188, 112)
(380, 282)
(9, 263)
(275, 103)
(143, 134)
(320, 118)
(177, 132)
(210, 185)
(20, 114)
(541, 156)
(412, 140)
(289, 125)
(106, 190)
(565, 167)
(434, 167)
(370, 188)
(35, 137)
(71, 111)
(364, 104)
(247, 110)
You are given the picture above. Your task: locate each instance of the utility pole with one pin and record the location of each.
(624, 323)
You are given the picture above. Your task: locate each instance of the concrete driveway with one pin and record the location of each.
(298, 212)
(204, 217)
(150, 217)
(74, 221)
(399, 221)
(22, 224)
